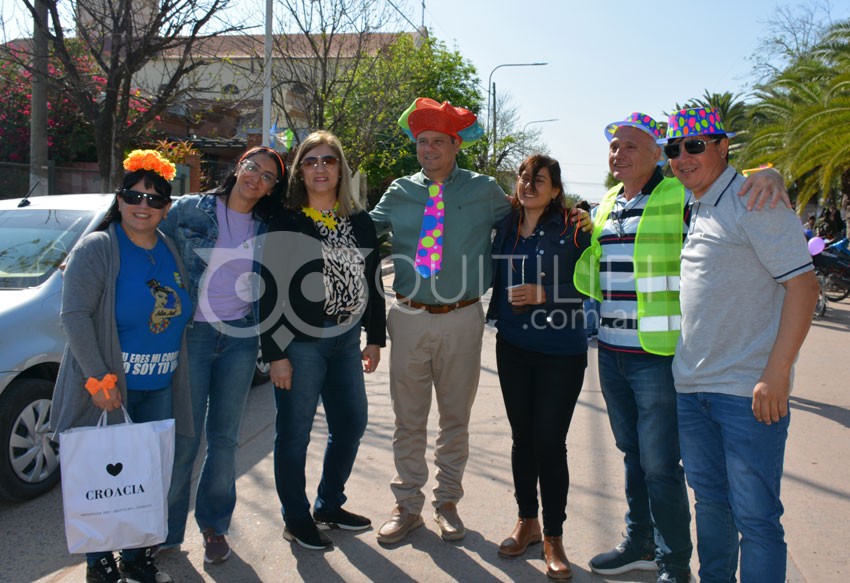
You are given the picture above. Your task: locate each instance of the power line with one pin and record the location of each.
(403, 15)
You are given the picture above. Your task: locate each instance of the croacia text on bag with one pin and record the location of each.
(115, 481)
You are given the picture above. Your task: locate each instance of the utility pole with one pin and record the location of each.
(267, 78)
(38, 107)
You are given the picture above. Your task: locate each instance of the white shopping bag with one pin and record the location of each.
(115, 481)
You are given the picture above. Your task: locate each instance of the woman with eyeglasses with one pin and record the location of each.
(125, 303)
(216, 233)
(541, 352)
(324, 291)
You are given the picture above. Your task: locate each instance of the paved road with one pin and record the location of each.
(816, 494)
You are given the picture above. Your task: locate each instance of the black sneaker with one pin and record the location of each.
(144, 570)
(104, 571)
(626, 557)
(307, 534)
(340, 518)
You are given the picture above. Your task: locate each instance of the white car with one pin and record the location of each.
(34, 241)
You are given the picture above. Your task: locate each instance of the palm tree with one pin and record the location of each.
(801, 119)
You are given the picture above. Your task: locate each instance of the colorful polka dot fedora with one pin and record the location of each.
(694, 121)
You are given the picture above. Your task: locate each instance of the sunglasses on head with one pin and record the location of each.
(314, 161)
(155, 201)
(691, 147)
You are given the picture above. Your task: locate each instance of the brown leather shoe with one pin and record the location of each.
(396, 528)
(526, 532)
(451, 526)
(557, 565)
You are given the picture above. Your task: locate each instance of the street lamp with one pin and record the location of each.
(538, 121)
(490, 85)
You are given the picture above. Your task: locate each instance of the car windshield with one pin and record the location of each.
(34, 242)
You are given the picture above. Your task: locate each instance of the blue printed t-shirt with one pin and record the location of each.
(152, 307)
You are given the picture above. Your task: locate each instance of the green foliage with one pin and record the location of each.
(404, 71)
(801, 117)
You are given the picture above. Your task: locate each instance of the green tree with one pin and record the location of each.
(801, 118)
(403, 71)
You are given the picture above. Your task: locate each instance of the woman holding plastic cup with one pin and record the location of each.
(541, 351)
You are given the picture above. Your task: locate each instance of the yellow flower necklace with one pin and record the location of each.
(328, 217)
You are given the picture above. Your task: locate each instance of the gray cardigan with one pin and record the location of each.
(93, 350)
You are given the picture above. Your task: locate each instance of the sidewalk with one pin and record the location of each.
(816, 493)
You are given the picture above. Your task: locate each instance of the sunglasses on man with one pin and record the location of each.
(155, 201)
(693, 147)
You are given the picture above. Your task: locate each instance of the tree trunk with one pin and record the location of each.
(38, 120)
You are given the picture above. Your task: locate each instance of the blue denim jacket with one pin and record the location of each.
(193, 226)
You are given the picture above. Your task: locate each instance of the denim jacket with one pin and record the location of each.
(559, 244)
(193, 226)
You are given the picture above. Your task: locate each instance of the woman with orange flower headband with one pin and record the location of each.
(125, 306)
(215, 232)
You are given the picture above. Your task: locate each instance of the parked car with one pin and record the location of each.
(34, 241)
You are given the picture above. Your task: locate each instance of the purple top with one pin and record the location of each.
(228, 283)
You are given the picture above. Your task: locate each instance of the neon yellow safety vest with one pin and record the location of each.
(657, 263)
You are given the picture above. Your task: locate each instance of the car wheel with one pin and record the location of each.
(29, 459)
(261, 372)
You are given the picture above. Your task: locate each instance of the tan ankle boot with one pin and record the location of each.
(557, 565)
(526, 532)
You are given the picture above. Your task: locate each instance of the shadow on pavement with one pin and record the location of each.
(835, 413)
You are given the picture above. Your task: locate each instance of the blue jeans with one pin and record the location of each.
(221, 368)
(641, 400)
(142, 406)
(734, 465)
(330, 367)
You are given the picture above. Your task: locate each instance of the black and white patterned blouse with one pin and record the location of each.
(344, 269)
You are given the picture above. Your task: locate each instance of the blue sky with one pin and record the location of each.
(606, 59)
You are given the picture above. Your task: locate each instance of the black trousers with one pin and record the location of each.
(540, 393)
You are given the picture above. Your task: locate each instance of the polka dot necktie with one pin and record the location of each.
(429, 253)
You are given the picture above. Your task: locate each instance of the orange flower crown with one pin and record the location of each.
(150, 160)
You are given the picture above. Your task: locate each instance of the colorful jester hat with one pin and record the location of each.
(427, 114)
(695, 121)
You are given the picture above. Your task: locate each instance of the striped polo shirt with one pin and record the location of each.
(618, 313)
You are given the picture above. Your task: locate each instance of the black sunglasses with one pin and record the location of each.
(314, 161)
(691, 147)
(155, 201)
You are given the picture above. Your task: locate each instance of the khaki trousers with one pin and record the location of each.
(443, 351)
